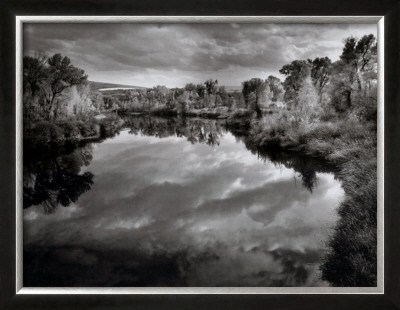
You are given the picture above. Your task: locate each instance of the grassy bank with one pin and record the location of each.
(348, 143)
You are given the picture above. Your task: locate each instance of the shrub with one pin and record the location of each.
(86, 129)
(69, 129)
(110, 125)
(45, 132)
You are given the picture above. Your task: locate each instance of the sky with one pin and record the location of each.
(176, 54)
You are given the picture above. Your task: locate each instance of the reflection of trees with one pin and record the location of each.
(306, 166)
(209, 131)
(56, 179)
(295, 270)
(308, 177)
(194, 130)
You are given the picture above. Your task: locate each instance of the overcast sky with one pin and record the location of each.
(176, 54)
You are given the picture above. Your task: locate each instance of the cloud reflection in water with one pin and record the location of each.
(164, 212)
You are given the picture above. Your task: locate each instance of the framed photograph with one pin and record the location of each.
(240, 158)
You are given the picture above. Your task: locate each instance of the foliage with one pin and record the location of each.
(276, 88)
(254, 92)
(45, 81)
(320, 74)
(295, 73)
(211, 86)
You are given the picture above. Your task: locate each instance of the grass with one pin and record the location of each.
(351, 260)
(349, 143)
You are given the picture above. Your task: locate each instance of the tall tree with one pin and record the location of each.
(308, 97)
(359, 54)
(183, 101)
(295, 73)
(320, 73)
(254, 87)
(366, 49)
(354, 73)
(348, 53)
(200, 89)
(276, 88)
(211, 86)
(160, 93)
(34, 73)
(190, 87)
(61, 74)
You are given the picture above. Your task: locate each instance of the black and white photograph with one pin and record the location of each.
(199, 154)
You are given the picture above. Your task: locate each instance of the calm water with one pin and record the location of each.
(171, 202)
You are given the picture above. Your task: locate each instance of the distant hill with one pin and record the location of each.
(233, 88)
(100, 85)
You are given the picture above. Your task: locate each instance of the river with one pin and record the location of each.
(176, 202)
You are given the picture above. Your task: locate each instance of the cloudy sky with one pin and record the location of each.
(176, 54)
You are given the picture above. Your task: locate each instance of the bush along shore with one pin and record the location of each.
(46, 134)
(347, 142)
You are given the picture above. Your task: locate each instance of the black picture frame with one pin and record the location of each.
(388, 8)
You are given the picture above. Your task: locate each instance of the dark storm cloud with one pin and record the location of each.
(148, 53)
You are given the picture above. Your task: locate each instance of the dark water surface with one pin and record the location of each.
(174, 202)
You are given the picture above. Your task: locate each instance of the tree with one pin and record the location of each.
(257, 88)
(276, 88)
(358, 54)
(348, 53)
(97, 100)
(183, 100)
(211, 86)
(320, 73)
(366, 49)
(295, 73)
(200, 89)
(223, 94)
(190, 87)
(150, 98)
(34, 73)
(308, 97)
(355, 74)
(218, 100)
(61, 74)
(160, 93)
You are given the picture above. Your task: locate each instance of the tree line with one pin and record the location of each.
(55, 89)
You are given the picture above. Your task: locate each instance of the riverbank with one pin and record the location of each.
(46, 133)
(208, 113)
(350, 145)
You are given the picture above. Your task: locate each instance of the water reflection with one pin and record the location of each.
(194, 130)
(55, 179)
(209, 132)
(167, 209)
